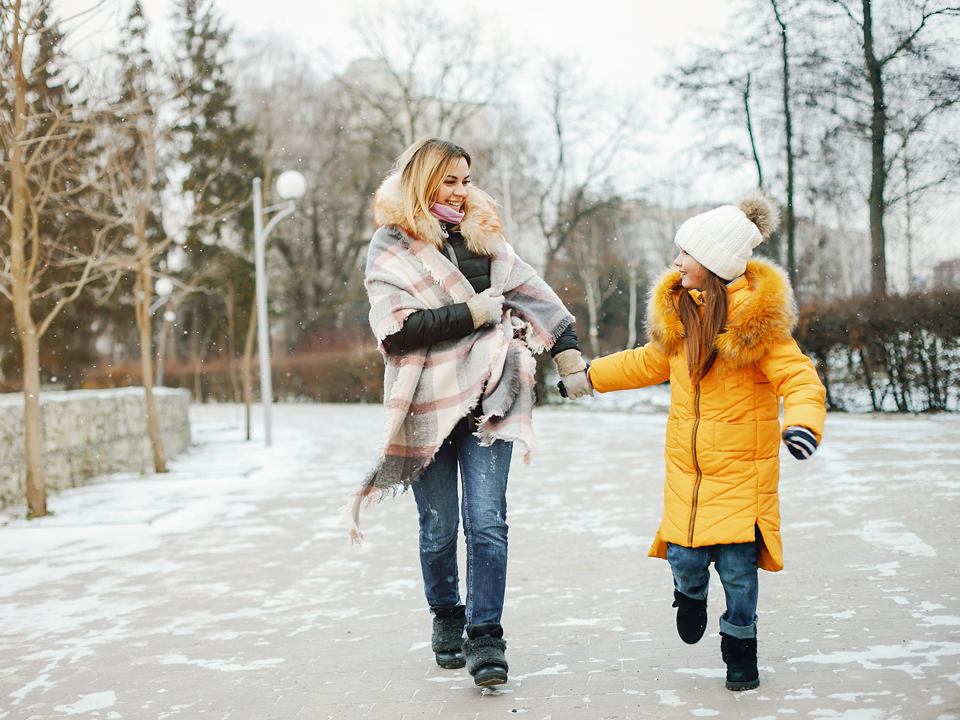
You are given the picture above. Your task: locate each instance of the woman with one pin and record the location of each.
(458, 316)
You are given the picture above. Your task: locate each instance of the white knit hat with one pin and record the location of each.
(722, 240)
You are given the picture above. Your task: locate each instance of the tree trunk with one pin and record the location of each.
(33, 435)
(144, 293)
(773, 243)
(592, 318)
(750, 133)
(162, 349)
(248, 361)
(632, 315)
(788, 137)
(231, 344)
(20, 273)
(878, 131)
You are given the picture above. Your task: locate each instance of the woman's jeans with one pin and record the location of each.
(483, 473)
(736, 565)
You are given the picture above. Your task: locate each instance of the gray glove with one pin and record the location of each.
(573, 374)
(485, 307)
(576, 386)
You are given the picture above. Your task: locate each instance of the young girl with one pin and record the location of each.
(720, 331)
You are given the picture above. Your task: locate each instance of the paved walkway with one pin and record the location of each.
(227, 589)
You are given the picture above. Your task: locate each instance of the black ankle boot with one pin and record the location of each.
(691, 617)
(447, 639)
(740, 655)
(484, 651)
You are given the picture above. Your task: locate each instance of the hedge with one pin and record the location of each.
(904, 351)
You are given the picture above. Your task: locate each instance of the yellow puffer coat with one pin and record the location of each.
(723, 434)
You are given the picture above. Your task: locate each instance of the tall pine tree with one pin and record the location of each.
(215, 147)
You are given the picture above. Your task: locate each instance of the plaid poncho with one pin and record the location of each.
(491, 371)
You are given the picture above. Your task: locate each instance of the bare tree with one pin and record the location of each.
(592, 249)
(42, 267)
(904, 46)
(726, 85)
(590, 133)
(138, 156)
(130, 157)
(324, 131)
(429, 75)
(633, 224)
(790, 227)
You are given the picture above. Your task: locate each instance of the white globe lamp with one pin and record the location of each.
(291, 185)
(164, 287)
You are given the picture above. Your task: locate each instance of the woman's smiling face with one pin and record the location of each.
(454, 188)
(693, 275)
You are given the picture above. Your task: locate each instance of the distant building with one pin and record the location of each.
(831, 263)
(946, 274)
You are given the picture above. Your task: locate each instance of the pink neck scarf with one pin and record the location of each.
(447, 213)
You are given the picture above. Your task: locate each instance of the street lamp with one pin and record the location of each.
(164, 288)
(290, 186)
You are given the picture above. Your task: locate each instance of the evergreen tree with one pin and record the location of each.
(136, 61)
(215, 146)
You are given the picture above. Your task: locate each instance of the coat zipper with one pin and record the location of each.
(696, 465)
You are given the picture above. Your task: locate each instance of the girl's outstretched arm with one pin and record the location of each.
(636, 368)
(795, 380)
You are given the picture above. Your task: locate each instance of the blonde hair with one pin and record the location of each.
(423, 167)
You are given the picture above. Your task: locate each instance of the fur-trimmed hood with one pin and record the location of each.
(762, 314)
(481, 228)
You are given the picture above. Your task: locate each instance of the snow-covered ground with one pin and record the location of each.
(227, 588)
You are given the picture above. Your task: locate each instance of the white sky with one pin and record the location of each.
(623, 45)
(618, 39)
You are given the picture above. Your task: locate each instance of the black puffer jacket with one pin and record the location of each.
(426, 327)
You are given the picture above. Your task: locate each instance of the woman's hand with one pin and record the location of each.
(485, 307)
(573, 374)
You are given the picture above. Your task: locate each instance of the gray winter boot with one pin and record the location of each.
(484, 651)
(447, 639)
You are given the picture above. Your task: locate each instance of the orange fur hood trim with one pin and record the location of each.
(481, 228)
(762, 315)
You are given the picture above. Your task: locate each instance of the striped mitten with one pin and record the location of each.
(800, 442)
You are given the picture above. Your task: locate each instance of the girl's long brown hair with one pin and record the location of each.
(702, 330)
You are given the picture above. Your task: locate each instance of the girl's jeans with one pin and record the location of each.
(483, 474)
(737, 567)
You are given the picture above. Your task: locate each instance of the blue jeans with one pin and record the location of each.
(736, 565)
(483, 475)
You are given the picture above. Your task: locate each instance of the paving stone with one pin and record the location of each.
(244, 600)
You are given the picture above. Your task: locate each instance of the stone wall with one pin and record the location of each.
(88, 433)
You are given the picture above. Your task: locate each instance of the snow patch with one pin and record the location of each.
(872, 658)
(704, 672)
(669, 697)
(222, 665)
(86, 703)
(879, 532)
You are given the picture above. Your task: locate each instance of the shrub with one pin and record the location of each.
(341, 375)
(903, 350)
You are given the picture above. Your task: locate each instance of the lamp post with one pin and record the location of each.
(164, 288)
(290, 186)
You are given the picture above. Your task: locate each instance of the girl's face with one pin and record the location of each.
(453, 190)
(693, 275)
